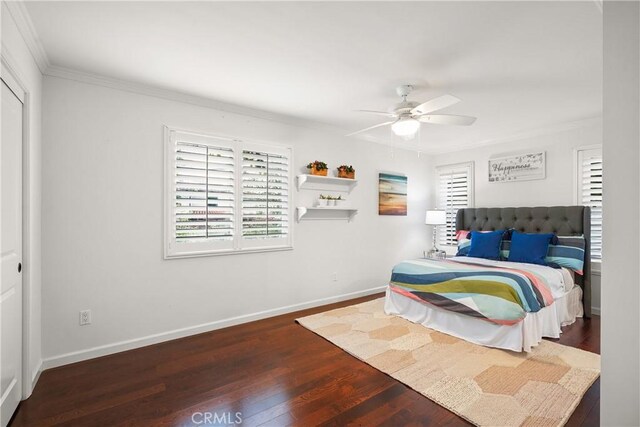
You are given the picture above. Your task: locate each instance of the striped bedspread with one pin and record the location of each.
(498, 293)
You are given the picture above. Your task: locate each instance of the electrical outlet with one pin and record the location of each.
(334, 277)
(85, 317)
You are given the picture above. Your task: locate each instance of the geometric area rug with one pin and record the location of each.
(485, 386)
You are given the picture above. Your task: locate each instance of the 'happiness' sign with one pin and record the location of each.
(522, 167)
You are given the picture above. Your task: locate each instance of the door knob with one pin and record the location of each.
(19, 267)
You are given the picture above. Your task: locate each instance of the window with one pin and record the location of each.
(265, 195)
(589, 192)
(225, 196)
(455, 191)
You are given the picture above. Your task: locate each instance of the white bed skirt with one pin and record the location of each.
(523, 336)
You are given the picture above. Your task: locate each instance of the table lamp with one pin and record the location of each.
(435, 218)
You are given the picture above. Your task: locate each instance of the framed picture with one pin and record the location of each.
(392, 194)
(523, 167)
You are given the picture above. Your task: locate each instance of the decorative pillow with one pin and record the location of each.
(564, 251)
(568, 253)
(530, 248)
(486, 244)
(464, 243)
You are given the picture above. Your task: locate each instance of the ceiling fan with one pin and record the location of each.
(407, 115)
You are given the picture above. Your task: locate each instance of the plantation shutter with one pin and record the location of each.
(265, 196)
(590, 193)
(203, 195)
(454, 192)
(225, 195)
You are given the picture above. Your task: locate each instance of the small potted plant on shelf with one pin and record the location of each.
(318, 168)
(345, 171)
(323, 201)
(338, 201)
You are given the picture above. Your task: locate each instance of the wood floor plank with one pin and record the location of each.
(369, 411)
(273, 371)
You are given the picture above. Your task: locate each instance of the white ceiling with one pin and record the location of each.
(517, 66)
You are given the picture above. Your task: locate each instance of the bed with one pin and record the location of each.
(553, 297)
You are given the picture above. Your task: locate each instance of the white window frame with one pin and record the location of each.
(469, 168)
(577, 187)
(174, 249)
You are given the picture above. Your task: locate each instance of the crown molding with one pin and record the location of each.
(172, 95)
(22, 19)
(157, 92)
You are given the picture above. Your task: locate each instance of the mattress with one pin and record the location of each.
(547, 322)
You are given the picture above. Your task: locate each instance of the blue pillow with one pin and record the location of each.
(529, 248)
(486, 245)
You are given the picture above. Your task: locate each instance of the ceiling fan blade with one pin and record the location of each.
(447, 119)
(369, 128)
(380, 113)
(438, 103)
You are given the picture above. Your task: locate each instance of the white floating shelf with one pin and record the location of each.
(331, 212)
(326, 183)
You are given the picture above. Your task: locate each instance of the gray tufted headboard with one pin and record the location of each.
(562, 220)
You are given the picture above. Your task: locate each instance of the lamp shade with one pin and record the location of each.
(436, 217)
(405, 127)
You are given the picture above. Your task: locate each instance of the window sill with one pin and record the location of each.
(225, 252)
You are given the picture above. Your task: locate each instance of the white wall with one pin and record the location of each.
(558, 186)
(16, 54)
(621, 214)
(557, 189)
(102, 232)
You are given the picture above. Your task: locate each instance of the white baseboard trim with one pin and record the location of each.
(35, 375)
(595, 310)
(104, 350)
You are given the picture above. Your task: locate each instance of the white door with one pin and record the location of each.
(11, 254)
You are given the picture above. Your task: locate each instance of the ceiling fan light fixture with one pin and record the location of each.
(405, 127)
(407, 116)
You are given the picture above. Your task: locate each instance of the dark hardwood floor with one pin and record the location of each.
(273, 372)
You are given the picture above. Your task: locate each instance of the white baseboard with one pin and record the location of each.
(27, 389)
(35, 375)
(103, 350)
(595, 310)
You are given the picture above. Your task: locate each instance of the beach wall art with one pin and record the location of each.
(392, 194)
